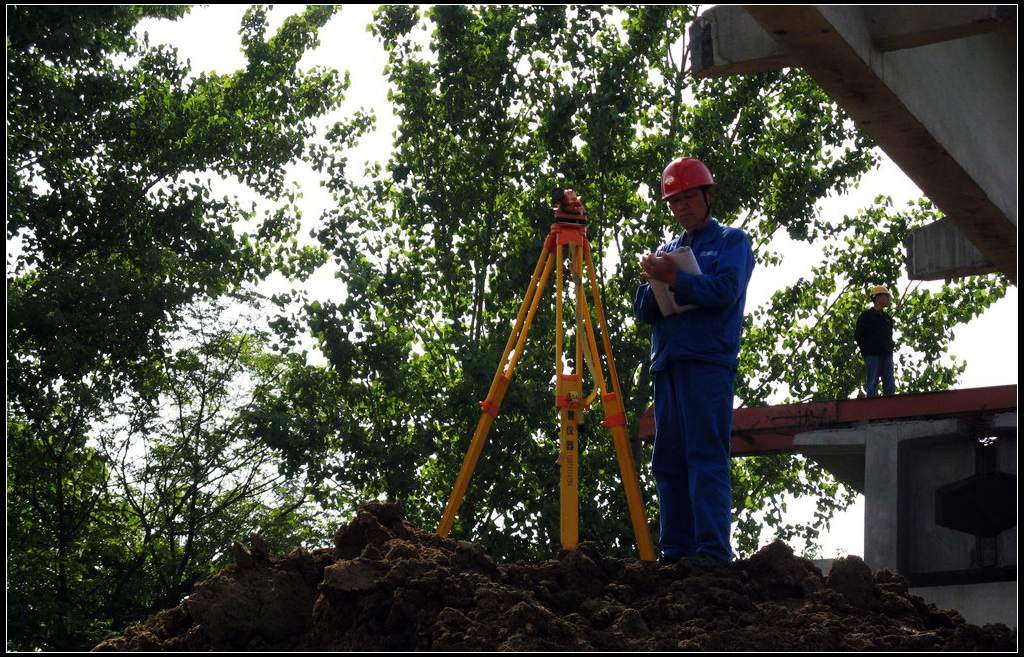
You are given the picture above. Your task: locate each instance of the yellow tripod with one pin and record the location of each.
(568, 236)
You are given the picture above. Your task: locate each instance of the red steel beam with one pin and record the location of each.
(772, 428)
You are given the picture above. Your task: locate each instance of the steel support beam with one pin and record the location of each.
(768, 429)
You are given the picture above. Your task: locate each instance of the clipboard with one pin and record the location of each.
(683, 260)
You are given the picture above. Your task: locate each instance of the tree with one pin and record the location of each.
(188, 469)
(108, 144)
(436, 251)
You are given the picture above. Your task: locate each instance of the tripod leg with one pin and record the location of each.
(559, 286)
(595, 292)
(577, 272)
(568, 393)
(499, 385)
(568, 400)
(615, 420)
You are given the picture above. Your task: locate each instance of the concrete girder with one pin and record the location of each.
(894, 27)
(959, 148)
(939, 250)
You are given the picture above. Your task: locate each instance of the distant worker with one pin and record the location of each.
(694, 358)
(874, 337)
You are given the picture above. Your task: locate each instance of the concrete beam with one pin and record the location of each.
(730, 42)
(1005, 421)
(894, 27)
(727, 40)
(847, 468)
(944, 112)
(841, 452)
(939, 250)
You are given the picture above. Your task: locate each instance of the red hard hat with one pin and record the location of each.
(684, 173)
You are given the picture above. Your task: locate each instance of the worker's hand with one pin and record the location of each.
(659, 268)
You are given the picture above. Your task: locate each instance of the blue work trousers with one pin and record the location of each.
(876, 367)
(693, 413)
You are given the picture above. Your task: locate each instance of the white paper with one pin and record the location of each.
(682, 260)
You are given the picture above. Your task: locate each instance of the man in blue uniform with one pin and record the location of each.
(694, 357)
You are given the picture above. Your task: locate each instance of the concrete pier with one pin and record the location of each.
(901, 467)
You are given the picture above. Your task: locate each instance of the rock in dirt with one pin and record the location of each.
(386, 585)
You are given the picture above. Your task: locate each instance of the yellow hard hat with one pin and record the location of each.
(878, 289)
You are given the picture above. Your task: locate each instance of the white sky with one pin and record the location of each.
(208, 37)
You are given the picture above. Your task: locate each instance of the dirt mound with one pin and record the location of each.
(389, 586)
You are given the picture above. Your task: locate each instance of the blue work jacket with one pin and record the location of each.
(711, 331)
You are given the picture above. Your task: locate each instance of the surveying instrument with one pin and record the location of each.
(568, 238)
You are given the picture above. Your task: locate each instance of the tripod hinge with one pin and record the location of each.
(492, 404)
(615, 415)
(614, 421)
